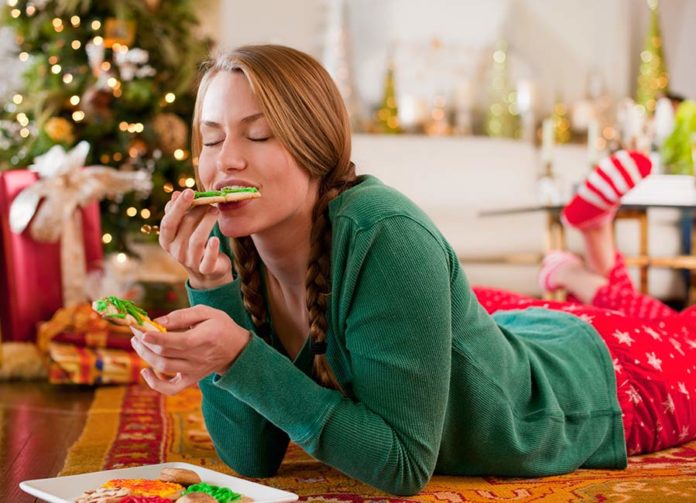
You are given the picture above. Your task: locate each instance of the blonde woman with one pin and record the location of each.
(332, 313)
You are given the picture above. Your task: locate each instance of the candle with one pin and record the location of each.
(524, 96)
(547, 141)
(592, 136)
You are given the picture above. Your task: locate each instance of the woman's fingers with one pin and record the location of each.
(167, 344)
(210, 256)
(157, 362)
(169, 226)
(180, 247)
(183, 319)
(198, 241)
(168, 206)
(166, 386)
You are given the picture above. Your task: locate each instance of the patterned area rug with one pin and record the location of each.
(132, 426)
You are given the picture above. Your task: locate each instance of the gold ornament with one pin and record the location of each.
(137, 148)
(59, 130)
(561, 122)
(172, 132)
(118, 31)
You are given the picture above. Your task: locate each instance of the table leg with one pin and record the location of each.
(643, 220)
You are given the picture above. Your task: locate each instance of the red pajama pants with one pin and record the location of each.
(653, 349)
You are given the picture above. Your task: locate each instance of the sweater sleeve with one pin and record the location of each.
(397, 330)
(243, 438)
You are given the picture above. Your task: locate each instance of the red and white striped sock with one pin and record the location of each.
(600, 194)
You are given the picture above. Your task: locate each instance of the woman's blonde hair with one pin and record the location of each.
(306, 113)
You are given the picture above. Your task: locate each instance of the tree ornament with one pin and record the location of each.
(118, 31)
(172, 132)
(96, 103)
(59, 130)
(95, 57)
(137, 148)
(561, 122)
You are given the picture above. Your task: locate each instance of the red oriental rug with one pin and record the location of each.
(132, 426)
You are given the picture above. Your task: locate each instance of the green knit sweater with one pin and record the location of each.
(434, 383)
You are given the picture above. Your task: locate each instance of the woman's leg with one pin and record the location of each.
(605, 281)
(600, 250)
(655, 368)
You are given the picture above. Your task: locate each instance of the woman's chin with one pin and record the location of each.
(233, 229)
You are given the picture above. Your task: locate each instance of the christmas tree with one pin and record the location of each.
(502, 117)
(652, 79)
(388, 112)
(120, 75)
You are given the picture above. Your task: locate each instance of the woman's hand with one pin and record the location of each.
(184, 234)
(200, 340)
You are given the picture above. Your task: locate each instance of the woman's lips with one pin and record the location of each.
(234, 205)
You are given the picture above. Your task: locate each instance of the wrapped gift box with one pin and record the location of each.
(83, 348)
(70, 364)
(30, 275)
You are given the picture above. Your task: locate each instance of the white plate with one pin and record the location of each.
(67, 489)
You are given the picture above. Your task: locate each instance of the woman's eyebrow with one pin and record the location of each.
(211, 124)
(252, 117)
(247, 119)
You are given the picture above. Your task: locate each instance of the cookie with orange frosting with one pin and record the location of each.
(146, 487)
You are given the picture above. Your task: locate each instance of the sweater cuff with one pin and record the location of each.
(218, 297)
(270, 383)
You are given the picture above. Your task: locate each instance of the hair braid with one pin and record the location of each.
(246, 264)
(318, 279)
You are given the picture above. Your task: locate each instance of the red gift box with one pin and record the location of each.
(30, 272)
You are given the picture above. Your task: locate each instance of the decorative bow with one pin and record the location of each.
(64, 185)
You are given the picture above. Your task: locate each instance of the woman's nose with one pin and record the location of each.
(230, 157)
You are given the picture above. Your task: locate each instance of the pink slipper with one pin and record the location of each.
(552, 262)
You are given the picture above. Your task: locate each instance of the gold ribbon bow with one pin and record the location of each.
(64, 184)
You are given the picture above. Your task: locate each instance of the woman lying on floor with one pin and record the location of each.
(332, 313)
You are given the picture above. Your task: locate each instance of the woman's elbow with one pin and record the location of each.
(408, 484)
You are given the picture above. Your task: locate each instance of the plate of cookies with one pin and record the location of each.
(161, 483)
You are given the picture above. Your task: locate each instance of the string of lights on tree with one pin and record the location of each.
(120, 75)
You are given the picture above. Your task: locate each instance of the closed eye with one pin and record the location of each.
(212, 143)
(259, 139)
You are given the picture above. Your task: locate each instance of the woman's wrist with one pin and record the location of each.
(201, 282)
(221, 371)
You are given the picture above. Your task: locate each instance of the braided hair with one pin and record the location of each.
(306, 112)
